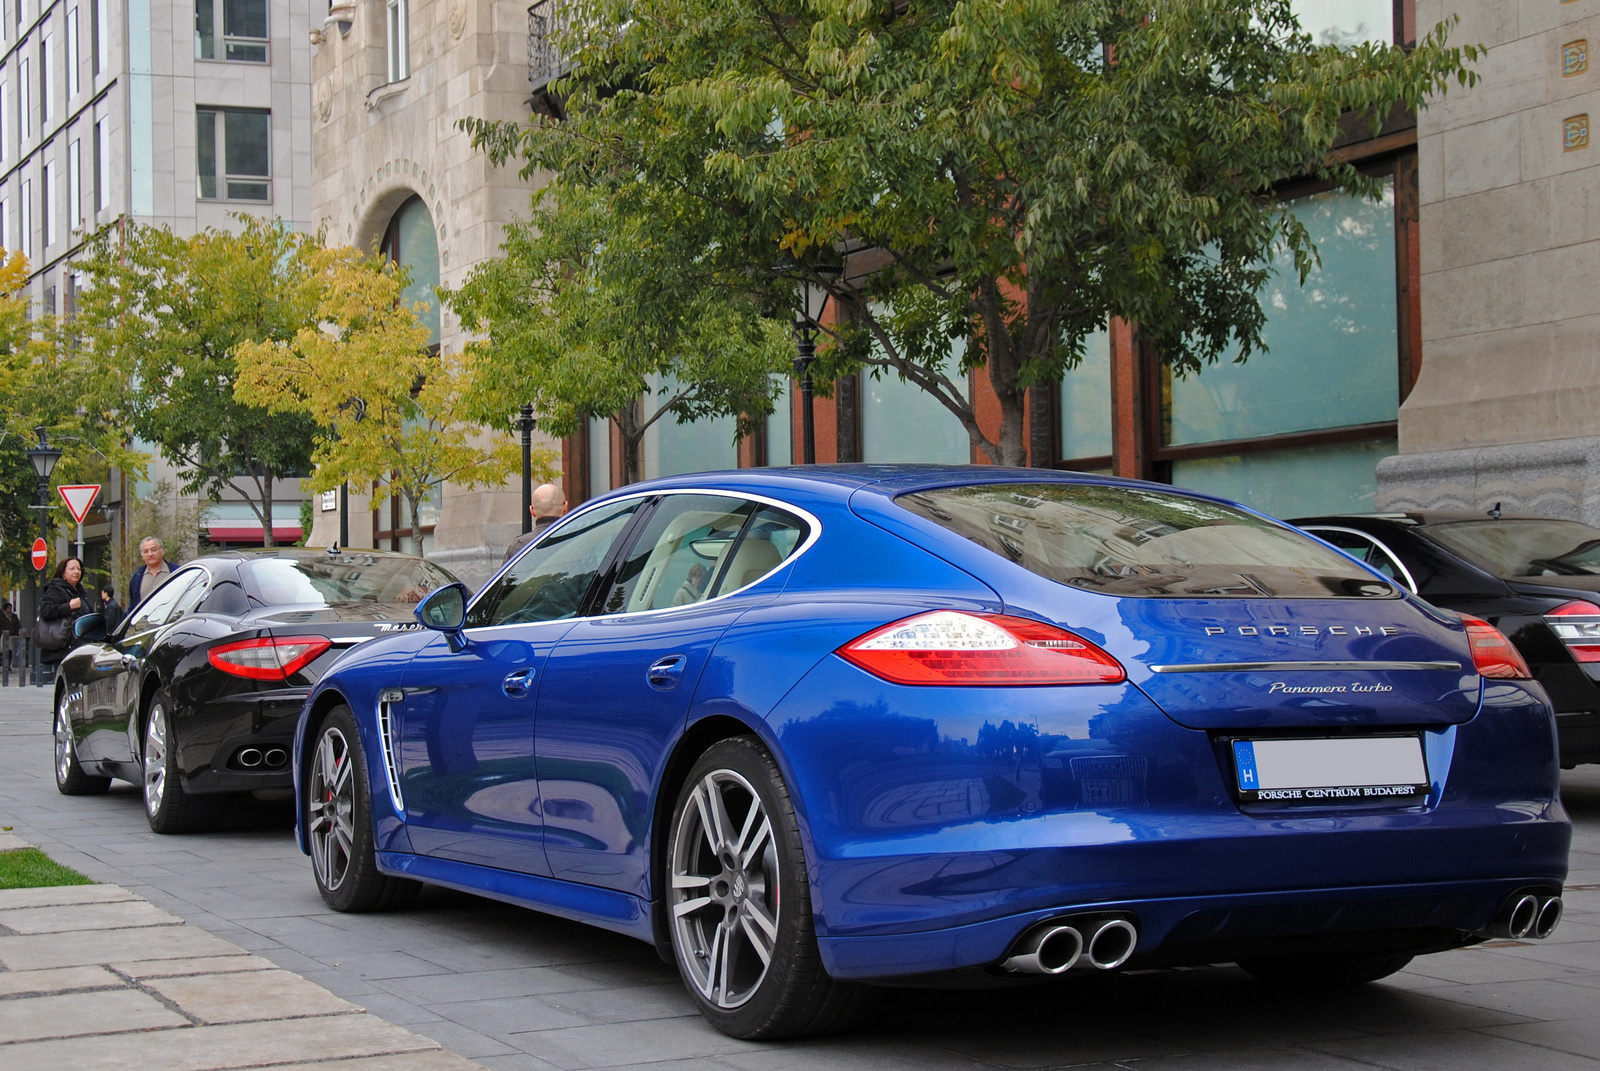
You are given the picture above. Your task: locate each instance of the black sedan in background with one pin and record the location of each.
(1535, 578)
(195, 695)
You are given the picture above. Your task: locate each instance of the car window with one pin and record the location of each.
(1143, 542)
(549, 580)
(768, 540)
(388, 583)
(1363, 548)
(190, 597)
(157, 609)
(1523, 547)
(675, 560)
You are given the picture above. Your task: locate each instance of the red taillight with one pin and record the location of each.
(1492, 653)
(270, 658)
(1577, 623)
(952, 647)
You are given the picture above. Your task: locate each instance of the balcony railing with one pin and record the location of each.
(547, 22)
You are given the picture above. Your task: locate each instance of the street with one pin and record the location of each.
(514, 989)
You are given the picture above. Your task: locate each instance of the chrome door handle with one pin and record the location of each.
(517, 685)
(665, 673)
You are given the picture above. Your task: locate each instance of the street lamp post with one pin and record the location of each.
(525, 425)
(44, 458)
(814, 293)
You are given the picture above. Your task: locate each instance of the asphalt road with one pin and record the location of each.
(513, 989)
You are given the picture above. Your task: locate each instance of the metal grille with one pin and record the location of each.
(546, 63)
(391, 768)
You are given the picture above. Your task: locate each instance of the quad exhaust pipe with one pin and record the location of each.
(1055, 947)
(1527, 914)
(275, 757)
(251, 757)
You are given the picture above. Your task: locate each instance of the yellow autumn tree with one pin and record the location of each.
(386, 404)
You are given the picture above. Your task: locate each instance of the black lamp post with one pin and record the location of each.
(814, 291)
(44, 458)
(525, 425)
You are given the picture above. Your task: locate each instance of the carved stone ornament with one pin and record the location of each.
(458, 18)
(324, 101)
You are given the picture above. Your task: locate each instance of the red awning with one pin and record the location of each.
(251, 534)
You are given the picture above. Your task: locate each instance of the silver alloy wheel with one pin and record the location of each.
(64, 748)
(155, 760)
(724, 896)
(330, 818)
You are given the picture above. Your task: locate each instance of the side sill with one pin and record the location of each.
(617, 911)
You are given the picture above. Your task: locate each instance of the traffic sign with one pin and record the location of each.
(41, 556)
(79, 497)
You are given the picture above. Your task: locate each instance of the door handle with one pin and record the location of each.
(665, 673)
(517, 685)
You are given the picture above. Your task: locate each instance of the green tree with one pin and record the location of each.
(1011, 173)
(360, 369)
(168, 313)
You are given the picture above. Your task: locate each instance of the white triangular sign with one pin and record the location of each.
(79, 497)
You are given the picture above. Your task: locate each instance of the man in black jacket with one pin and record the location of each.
(549, 504)
(157, 570)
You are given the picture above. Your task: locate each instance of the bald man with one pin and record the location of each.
(549, 503)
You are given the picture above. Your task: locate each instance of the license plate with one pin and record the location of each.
(1330, 770)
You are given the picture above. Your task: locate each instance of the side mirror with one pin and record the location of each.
(90, 628)
(445, 610)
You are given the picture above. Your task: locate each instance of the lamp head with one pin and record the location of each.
(44, 456)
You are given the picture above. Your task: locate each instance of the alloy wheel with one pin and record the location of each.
(724, 896)
(155, 759)
(63, 734)
(331, 809)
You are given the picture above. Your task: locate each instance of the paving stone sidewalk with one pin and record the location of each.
(92, 976)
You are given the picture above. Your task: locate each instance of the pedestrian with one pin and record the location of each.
(10, 630)
(62, 602)
(110, 607)
(549, 503)
(157, 571)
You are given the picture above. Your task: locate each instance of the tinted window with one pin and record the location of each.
(1135, 541)
(1527, 547)
(157, 609)
(1362, 548)
(549, 580)
(770, 538)
(349, 579)
(675, 560)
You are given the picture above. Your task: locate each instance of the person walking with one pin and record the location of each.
(110, 607)
(157, 571)
(10, 630)
(62, 602)
(548, 506)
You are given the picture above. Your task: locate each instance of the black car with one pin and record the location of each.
(195, 694)
(1536, 578)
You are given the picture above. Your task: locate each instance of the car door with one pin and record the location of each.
(617, 688)
(466, 713)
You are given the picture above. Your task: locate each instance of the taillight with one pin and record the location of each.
(1577, 623)
(269, 658)
(952, 647)
(1492, 653)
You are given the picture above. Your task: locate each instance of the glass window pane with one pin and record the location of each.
(1086, 401)
(244, 18)
(599, 455)
(206, 140)
(780, 426)
(419, 253)
(902, 422)
(678, 555)
(766, 544)
(1346, 22)
(1333, 343)
(1516, 548)
(248, 191)
(548, 581)
(1309, 482)
(247, 53)
(246, 141)
(671, 449)
(205, 30)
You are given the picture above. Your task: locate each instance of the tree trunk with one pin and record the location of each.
(414, 502)
(266, 509)
(627, 421)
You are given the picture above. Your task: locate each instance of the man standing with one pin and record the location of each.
(10, 629)
(157, 570)
(549, 503)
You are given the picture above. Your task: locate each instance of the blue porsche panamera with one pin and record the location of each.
(809, 729)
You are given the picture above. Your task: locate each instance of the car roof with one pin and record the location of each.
(1419, 518)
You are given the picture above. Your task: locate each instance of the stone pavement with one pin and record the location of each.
(518, 991)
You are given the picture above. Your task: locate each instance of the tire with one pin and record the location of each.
(739, 903)
(1324, 972)
(70, 778)
(338, 814)
(168, 807)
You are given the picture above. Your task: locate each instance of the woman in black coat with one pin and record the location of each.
(63, 599)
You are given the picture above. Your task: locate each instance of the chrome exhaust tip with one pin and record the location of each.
(275, 757)
(1112, 944)
(1524, 913)
(249, 757)
(1549, 918)
(1048, 949)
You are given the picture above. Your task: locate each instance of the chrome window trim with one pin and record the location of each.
(806, 515)
(1411, 582)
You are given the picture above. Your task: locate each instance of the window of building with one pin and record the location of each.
(25, 220)
(47, 80)
(100, 40)
(671, 448)
(102, 165)
(411, 242)
(244, 30)
(233, 154)
(1346, 22)
(5, 119)
(902, 422)
(599, 439)
(74, 187)
(398, 22)
(780, 426)
(24, 104)
(47, 203)
(1086, 404)
(73, 84)
(6, 242)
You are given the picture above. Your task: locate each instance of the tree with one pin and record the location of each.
(360, 369)
(1012, 174)
(588, 312)
(168, 313)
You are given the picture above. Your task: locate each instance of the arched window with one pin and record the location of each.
(411, 241)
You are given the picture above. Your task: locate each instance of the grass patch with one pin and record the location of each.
(29, 868)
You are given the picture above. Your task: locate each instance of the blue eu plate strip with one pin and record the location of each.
(1244, 757)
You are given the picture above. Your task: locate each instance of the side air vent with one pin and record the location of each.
(388, 699)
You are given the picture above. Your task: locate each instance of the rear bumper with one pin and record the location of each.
(213, 736)
(1580, 737)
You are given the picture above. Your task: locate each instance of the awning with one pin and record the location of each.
(252, 534)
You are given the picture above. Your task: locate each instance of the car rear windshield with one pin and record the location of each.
(1133, 541)
(1522, 548)
(343, 580)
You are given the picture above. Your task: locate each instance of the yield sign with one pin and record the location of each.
(79, 497)
(40, 556)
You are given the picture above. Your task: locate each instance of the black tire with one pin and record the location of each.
(70, 778)
(1325, 972)
(729, 906)
(339, 822)
(168, 806)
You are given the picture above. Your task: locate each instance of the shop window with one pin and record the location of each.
(1086, 402)
(902, 422)
(1346, 22)
(1293, 483)
(780, 425)
(233, 153)
(599, 455)
(671, 448)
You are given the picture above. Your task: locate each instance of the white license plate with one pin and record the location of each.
(1330, 770)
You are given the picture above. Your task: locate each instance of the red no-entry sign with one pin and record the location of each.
(41, 556)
